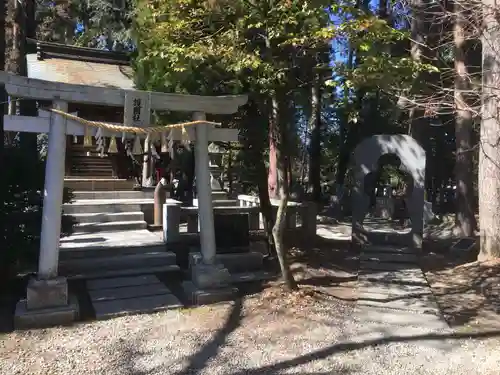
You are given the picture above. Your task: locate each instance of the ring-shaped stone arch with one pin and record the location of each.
(366, 156)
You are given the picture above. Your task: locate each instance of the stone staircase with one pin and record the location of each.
(93, 183)
(104, 211)
(115, 254)
(85, 162)
(219, 199)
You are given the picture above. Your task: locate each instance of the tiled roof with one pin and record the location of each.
(85, 66)
(80, 72)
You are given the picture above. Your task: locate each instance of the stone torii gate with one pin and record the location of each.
(47, 299)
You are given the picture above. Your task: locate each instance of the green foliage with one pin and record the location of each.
(106, 23)
(21, 211)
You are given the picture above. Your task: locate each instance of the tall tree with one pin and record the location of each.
(3, 96)
(489, 150)
(464, 102)
(314, 178)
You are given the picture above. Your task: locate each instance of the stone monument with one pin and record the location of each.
(412, 157)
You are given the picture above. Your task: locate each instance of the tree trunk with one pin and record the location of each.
(3, 96)
(314, 183)
(489, 150)
(254, 144)
(465, 220)
(16, 63)
(417, 119)
(279, 228)
(265, 205)
(272, 179)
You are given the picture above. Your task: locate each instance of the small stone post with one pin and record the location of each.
(160, 195)
(171, 220)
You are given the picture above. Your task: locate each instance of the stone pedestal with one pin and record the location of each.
(254, 220)
(171, 221)
(291, 217)
(210, 283)
(384, 207)
(47, 303)
(192, 224)
(308, 219)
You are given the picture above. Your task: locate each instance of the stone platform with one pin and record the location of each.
(394, 297)
(114, 254)
(113, 297)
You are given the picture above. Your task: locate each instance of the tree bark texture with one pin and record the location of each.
(314, 183)
(280, 223)
(489, 150)
(465, 220)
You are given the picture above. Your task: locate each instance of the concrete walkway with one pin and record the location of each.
(394, 298)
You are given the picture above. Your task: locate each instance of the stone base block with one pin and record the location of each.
(233, 262)
(210, 276)
(45, 317)
(197, 296)
(41, 294)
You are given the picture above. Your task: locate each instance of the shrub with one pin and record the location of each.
(21, 211)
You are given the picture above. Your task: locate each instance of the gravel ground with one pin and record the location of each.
(297, 335)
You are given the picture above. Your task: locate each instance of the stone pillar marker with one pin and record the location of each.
(47, 299)
(204, 189)
(53, 195)
(208, 276)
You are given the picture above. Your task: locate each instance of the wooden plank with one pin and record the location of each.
(24, 87)
(30, 124)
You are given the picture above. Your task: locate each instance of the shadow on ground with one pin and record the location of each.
(207, 352)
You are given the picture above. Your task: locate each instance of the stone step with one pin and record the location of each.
(98, 179)
(90, 160)
(423, 304)
(107, 217)
(219, 195)
(136, 305)
(220, 203)
(89, 168)
(397, 317)
(80, 266)
(107, 205)
(99, 183)
(381, 288)
(87, 195)
(92, 172)
(134, 291)
(83, 174)
(389, 249)
(404, 276)
(379, 324)
(108, 251)
(386, 266)
(82, 154)
(199, 297)
(237, 262)
(246, 277)
(388, 257)
(123, 272)
(114, 226)
(120, 282)
(391, 238)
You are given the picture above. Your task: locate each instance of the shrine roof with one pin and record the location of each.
(85, 66)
